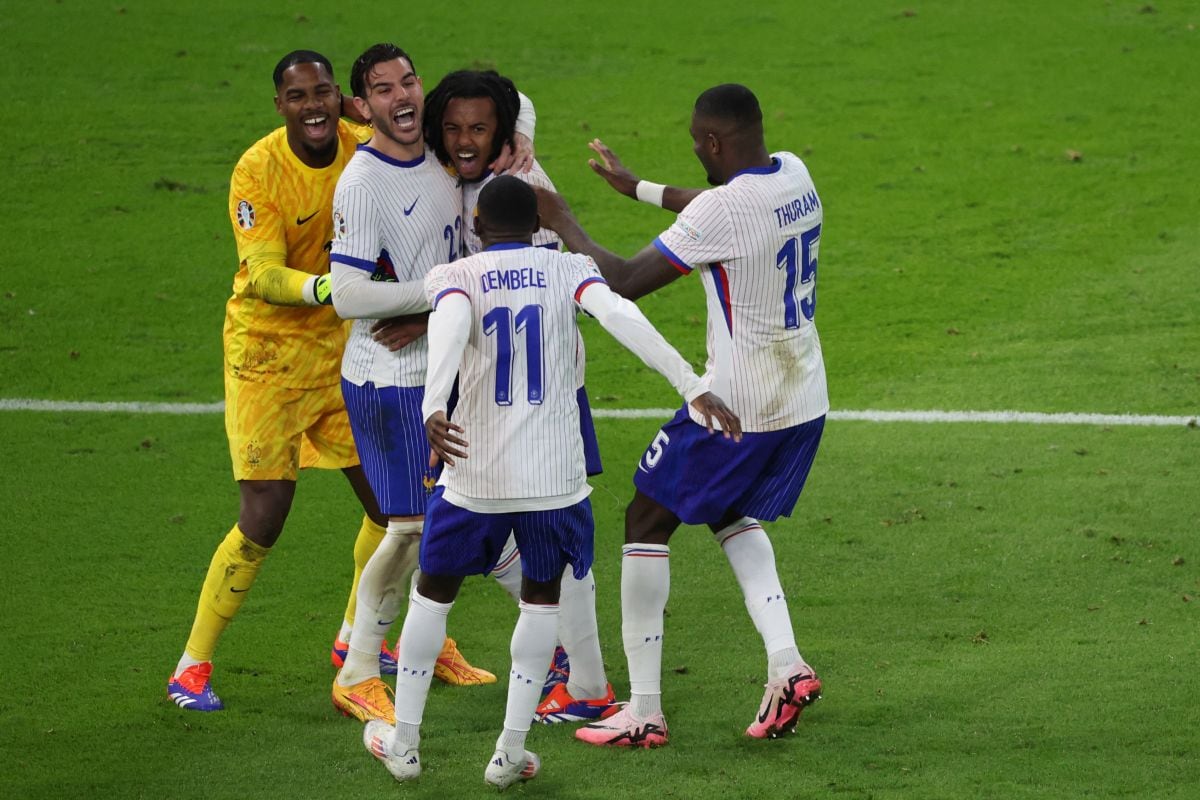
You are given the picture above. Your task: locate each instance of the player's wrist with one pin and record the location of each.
(697, 389)
(317, 291)
(651, 193)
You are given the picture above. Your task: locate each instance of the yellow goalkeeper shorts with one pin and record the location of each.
(275, 431)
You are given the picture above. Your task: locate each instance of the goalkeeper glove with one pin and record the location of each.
(319, 290)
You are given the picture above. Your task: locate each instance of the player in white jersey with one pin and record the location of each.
(505, 321)
(468, 116)
(754, 241)
(396, 213)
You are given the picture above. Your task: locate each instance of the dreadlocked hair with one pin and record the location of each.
(467, 83)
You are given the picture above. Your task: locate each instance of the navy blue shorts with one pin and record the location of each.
(456, 541)
(587, 430)
(390, 437)
(702, 478)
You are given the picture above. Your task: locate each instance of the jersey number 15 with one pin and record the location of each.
(803, 250)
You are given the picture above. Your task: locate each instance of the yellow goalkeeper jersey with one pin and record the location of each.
(281, 210)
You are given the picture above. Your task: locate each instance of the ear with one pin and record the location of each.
(364, 110)
(537, 223)
(477, 225)
(278, 106)
(714, 144)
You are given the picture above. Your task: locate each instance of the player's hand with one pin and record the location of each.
(711, 408)
(396, 333)
(553, 211)
(443, 438)
(612, 170)
(514, 157)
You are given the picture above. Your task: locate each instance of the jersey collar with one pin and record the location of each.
(506, 246)
(395, 162)
(776, 165)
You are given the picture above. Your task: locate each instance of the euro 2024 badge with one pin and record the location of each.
(245, 215)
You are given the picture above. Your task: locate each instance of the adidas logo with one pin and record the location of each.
(499, 762)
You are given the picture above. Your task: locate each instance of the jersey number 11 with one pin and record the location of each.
(501, 323)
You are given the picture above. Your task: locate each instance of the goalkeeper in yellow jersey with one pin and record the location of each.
(283, 351)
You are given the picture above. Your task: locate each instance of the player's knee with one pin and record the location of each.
(264, 509)
(439, 588)
(542, 593)
(262, 523)
(647, 522)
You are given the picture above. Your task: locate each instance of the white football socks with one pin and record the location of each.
(531, 648)
(381, 591)
(424, 632)
(577, 630)
(753, 560)
(645, 585)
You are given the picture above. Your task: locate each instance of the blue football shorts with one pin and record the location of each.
(702, 477)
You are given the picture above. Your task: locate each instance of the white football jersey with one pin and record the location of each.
(470, 194)
(543, 237)
(754, 241)
(516, 380)
(395, 220)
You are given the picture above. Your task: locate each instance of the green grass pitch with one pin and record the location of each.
(997, 611)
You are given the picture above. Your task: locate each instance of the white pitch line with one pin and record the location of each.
(66, 406)
(1026, 417)
(933, 416)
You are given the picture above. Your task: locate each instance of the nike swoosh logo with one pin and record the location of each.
(385, 622)
(306, 219)
(409, 210)
(235, 589)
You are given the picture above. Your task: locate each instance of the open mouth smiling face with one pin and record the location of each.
(469, 135)
(310, 102)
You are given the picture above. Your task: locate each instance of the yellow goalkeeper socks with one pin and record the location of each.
(231, 573)
(369, 537)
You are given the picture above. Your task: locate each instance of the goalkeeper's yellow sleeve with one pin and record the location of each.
(275, 282)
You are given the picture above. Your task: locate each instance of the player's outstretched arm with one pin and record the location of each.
(630, 327)
(633, 278)
(621, 178)
(554, 214)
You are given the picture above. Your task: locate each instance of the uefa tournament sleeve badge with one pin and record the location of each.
(245, 215)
